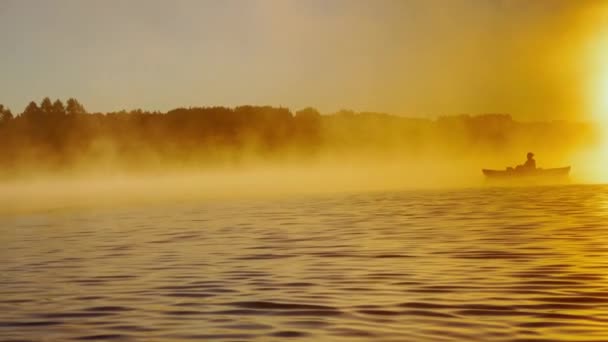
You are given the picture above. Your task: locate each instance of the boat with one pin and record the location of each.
(556, 174)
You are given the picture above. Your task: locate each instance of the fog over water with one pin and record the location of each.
(272, 170)
(283, 180)
(57, 155)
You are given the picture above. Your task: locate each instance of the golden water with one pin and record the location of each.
(492, 264)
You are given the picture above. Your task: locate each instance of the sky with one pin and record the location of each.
(406, 57)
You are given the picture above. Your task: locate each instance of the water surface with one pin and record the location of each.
(492, 264)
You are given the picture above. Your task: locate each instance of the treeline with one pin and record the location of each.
(52, 135)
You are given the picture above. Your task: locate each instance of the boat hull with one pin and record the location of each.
(540, 175)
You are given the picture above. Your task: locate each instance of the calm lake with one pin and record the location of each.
(486, 264)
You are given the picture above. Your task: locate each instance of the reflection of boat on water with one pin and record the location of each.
(555, 174)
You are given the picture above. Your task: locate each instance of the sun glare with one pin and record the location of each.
(599, 157)
(596, 160)
(601, 110)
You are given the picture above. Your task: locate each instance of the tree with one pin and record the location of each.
(308, 125)
(31, 111)
(46, 106)
(58, 108)
(308, 113)
(73, 107)
(5, 115)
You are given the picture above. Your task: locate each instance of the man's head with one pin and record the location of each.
(530, 155)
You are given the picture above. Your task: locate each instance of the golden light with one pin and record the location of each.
(600, 112)
(600, 79)
(596, 160)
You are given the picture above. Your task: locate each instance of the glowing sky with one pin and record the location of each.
(426, 57)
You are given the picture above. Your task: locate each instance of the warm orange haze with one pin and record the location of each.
(315, 170)
(541, 63)
(242, 148)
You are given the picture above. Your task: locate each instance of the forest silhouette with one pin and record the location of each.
(53, 136)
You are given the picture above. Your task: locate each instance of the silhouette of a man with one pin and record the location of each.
(530, 163)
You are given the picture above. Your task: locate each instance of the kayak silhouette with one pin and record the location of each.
(528, 170)
(527, 173)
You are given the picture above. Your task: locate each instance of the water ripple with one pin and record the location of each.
(493, 264)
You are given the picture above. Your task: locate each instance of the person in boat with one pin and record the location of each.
(530, 163)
